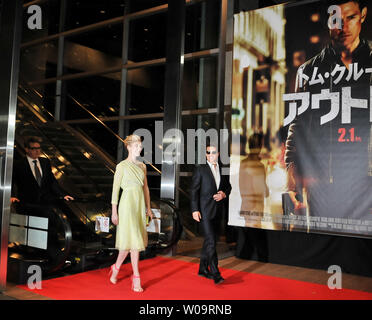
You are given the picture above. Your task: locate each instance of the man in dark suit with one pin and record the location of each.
(33, 179)
(209, 189)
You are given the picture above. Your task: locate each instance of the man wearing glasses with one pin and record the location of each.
(33, 179)
(209, 189)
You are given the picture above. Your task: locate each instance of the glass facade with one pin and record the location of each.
(202, 26)
(145, 90)
(102, 136)
(98, 94)
(199, 86)
(98, 49)
(144, 41)
(83, 13)
(135, 6)
(39, 62)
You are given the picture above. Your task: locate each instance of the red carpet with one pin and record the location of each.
(170, 279)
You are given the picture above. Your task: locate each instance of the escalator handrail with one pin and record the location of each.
(43, 110)
(177, 225)
(68, 240)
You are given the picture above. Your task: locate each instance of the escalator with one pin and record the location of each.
(84, 171)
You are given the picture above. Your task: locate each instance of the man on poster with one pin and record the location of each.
(329, 162)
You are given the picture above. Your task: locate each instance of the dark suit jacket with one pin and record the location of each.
(26, 189)
(203, 187)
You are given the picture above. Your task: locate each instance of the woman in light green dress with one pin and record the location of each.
(129, 213)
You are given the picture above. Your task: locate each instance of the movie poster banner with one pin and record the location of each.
(301, 103)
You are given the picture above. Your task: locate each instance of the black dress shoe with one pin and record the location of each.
(218, 279)
(205, 274)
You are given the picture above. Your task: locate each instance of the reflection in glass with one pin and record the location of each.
(184, 205)
(199, 86)
(204, 122)
(101, 136)
(99, 94)
(83, 13)
(202, 26)
(94, 50)
(36, 103)
(147, 38)
(138, 5)
(39, 62)
(145, 90)
(45, 98)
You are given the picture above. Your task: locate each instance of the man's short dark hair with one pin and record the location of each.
(255, 141)
(327, 3)
(361, 3)
(282, 134)
(30, 140)
(209, 144)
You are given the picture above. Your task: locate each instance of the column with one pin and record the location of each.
(10, 37)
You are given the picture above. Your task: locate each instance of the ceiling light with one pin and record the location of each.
(314, 39)
(315, 17)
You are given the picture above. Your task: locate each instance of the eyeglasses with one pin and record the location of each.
(211, 152)
(35, 148)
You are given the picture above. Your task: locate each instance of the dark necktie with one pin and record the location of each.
(37, 173)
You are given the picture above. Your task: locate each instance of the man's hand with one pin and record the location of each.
(196, 215)
(14, 199)
(219, 196)
(68, 198)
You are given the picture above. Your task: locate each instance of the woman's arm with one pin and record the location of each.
(114, 214)
(146, 192)
(115, 194)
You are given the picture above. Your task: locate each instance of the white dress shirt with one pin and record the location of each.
(32, 166)
(216, 173)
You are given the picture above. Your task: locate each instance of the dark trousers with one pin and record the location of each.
(208, 257)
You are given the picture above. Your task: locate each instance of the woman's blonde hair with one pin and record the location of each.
(131, 139)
